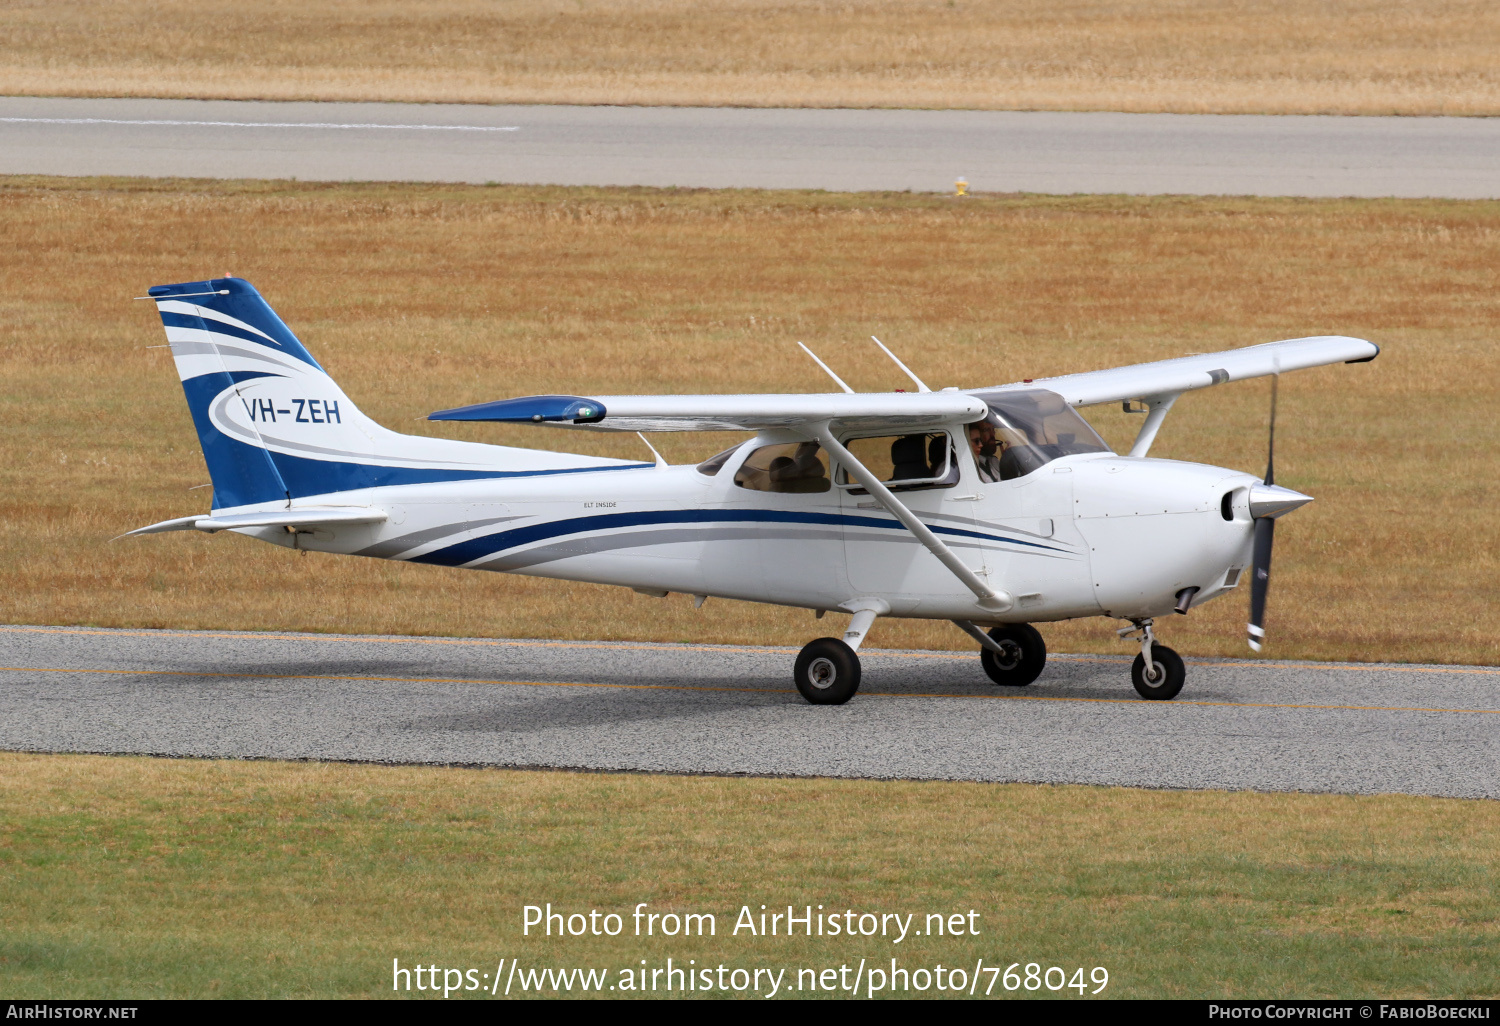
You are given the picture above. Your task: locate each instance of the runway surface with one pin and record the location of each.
(839, 150)
(1332, 727)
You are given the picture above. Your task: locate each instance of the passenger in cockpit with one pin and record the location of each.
(985, 446)
(801, 472)
(909, 458)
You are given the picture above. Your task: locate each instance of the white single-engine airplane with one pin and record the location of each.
(991, 507)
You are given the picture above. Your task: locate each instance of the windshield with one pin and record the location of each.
(1030, 428)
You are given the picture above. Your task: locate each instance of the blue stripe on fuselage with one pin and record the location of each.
(493, 544)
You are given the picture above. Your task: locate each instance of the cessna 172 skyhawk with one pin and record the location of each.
(991, 507)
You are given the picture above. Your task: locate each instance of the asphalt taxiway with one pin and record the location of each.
(1260, 725)
(707, 147)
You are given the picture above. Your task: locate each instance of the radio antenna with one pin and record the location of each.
(826, 369)
(921, 386)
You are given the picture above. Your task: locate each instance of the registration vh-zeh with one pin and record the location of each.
(994, 508)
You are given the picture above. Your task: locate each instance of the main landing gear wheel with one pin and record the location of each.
(827, 672)
(1166, 677)
(1025, 653)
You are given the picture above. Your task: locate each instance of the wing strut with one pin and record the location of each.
(1157, 407)
(995, 601)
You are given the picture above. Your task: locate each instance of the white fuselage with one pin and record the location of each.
(1084, 535)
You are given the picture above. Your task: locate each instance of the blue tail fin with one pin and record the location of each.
(275, 427)
(219, 332)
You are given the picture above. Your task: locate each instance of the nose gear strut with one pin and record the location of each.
(1147, 639)
(1158, 672)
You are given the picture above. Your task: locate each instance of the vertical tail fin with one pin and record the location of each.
(268, 415)
(229, 345)
(275, 427)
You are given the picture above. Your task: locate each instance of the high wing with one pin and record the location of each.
(910, 411)
(1172, 377)
(903, 411)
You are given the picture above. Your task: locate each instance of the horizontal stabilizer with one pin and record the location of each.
(902, 411)
(1171, 377)
(303, 516)
(180, 524)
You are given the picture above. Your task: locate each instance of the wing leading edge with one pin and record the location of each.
(910, 411)
(897, 410)
(1171, 377)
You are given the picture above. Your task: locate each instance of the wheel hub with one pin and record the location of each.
(1010, 655)
(821, 673)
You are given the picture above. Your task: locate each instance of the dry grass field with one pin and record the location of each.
(133, 877)
(423, 297)
(1274, 56)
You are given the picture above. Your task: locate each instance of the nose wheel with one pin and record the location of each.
(827, 672)
(1165, 677)
(1158, 672)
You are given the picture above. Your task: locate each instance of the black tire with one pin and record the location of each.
(1170, 674)
(1026, 654)
(827, 672)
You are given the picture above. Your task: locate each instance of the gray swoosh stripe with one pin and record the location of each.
(211, 349)
(640, 539)
(604, 543)
(385, 460)
(218, 416)
(905, 538)
(268, 439)
(972, 522)
(407, 542)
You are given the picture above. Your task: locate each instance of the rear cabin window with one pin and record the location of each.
(792, 467)
(714, 464)
(904, 462)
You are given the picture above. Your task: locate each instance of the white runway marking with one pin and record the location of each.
(761, 148)
(264, 124)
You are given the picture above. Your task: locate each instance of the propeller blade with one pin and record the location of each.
(1271, 442)
(1260, 580)
(1265, 536)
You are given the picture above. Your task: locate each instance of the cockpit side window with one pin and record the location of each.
(905, 462)
(1026, 430)
(791, 467)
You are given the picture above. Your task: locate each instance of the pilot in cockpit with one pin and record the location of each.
(986, 448)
